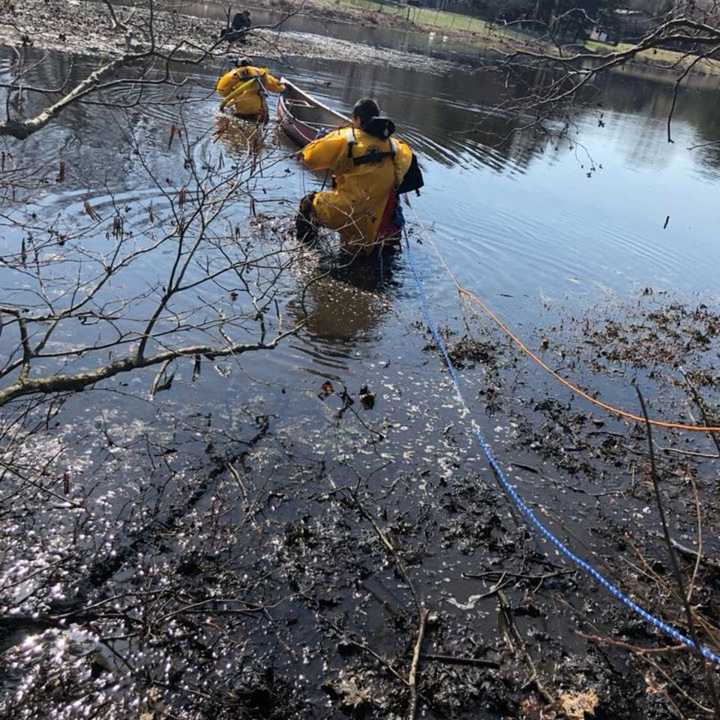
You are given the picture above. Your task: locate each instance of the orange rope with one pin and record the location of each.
(599, 403)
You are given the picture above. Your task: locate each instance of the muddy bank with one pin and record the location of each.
(88, 28)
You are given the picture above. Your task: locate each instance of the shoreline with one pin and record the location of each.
(53, 26)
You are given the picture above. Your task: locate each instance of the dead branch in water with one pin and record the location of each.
(422, 611)
(515, 643)
(412, 678)
(176, 322)
(674, 560)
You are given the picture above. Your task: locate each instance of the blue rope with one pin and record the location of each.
(520, 504)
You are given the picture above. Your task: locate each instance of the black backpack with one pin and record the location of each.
(413, 179)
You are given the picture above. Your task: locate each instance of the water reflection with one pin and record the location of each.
(239, 137)
(496, 196)
(345, 302)
(339, 311)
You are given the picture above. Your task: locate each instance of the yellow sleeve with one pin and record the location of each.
(324, 153)
(226, 83)
(271, 83)
(403, 158)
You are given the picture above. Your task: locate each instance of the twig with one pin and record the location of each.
(387, 543)
(689, 698)
(412, 678)
(701, 406)
(515, 641)
(454, 660)
(361, 646)
(689, 552)
(699, 539)
(422, 611)
(690, 453)
(636, 649)
(116, 24)
(519, 576)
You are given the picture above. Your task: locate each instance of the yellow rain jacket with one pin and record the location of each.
(243, 90)
(355, 205)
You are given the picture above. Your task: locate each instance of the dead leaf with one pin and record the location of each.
(577, 705)
(326, 389)
(352, 695)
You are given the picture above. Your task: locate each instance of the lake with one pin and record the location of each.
(544, 229)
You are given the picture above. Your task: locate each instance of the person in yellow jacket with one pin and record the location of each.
(368, 167)
(243, 90)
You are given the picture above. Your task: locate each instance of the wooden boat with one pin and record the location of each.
(304, 118)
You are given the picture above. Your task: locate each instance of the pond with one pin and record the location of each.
(543, 229)
(535, 226)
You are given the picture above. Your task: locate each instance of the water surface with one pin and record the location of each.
(540, 227)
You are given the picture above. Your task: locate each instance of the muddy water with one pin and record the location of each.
(540, 229)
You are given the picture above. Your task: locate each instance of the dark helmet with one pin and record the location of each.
(242, 62)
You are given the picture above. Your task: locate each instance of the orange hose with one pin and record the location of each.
(599, 403)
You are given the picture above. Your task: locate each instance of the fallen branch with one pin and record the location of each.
(79, 381)
(454, 660)
(412, 678)
(23, 129)
(674, 561)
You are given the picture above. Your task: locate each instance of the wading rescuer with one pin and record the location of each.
(243, 90)
(370, 169)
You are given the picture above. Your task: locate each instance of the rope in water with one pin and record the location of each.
(574, 388)
(614, 410)
(520, 504)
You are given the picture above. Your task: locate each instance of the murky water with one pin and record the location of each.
(535, 227)
(538, 228)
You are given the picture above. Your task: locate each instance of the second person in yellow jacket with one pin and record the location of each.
(368, 166)
(243, 90)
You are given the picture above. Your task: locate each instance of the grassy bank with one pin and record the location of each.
(428, 19)
(659, 57)
(485, 35)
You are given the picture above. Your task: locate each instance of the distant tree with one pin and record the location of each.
(691, 30)
(563, 18)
